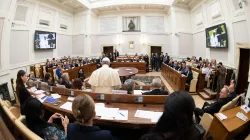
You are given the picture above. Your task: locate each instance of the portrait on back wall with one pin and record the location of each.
(131, 24)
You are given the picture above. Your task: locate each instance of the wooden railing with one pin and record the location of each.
(176, 80)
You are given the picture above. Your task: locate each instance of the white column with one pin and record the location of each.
(87, 41)
(174, 36)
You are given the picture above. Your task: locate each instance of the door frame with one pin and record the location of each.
(108, 45)
(156, 45)
(237, 58)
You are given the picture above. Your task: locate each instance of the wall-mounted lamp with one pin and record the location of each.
(119, 39)
(143, 39)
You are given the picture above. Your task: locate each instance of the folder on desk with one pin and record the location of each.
(50, 100)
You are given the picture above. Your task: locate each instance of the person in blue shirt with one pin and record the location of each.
(83, 108)
(59, 72)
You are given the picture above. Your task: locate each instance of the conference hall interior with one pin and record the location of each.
(125, 69)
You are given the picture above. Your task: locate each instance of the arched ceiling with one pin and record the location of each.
(120, 5)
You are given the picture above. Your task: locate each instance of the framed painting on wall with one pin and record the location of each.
(131, 45)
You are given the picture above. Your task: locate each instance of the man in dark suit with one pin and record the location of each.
(152, 61)
(183, 68)
(156, 88)
(156, 62)
(161, 60)
(166, 59)
(213, 107)
(189, 74)
(175, 66)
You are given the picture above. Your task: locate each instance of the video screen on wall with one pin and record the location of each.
(216, 36)
(45, 40)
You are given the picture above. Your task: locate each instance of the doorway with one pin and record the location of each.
(242, 83)
(155, 49)
(108, 49)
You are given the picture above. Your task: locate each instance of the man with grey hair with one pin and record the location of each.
(105, 79)
(129, 85)
(65, 80)
(156, 88)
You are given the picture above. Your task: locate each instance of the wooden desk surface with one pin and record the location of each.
(127, 71)
(132, 121)
(232, 122)
(141, 66)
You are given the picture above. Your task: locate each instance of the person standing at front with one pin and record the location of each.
(105, 79)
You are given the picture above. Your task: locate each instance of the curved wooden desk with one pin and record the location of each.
(132, 103)
(141, 66)
(132, 121)
(127, 71)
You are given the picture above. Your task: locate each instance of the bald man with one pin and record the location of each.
(213, 107)
(105, 79)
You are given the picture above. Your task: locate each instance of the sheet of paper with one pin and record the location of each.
(67, 106)
(128, 69)
(88, 90)
(242, 116)
(107, 112)
(122, 115)
(33, 89)
(143, 114)
(137, 92)
(99, 108)
(39, 91)
(71, 98)
(245, 108)
(119, 91)
(221, 116)
(156, 116)
(56, 96)
(39, 96)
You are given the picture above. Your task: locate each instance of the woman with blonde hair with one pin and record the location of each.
(83, 108)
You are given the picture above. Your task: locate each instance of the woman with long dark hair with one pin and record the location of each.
(22, 93)
(34, 112)
(176, 122)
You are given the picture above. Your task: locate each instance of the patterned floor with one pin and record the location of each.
(144, 80)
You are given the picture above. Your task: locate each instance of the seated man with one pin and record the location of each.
(175, 66)
(129, 85)
(65, 80)
(232, 94)
(213, 107)
(156, 88)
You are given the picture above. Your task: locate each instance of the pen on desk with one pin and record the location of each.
(121, 114)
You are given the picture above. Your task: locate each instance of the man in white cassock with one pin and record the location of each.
(105, 79)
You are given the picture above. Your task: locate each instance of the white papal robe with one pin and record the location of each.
(104, 80)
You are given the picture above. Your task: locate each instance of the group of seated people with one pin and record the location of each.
(176, 121)
(204, 65)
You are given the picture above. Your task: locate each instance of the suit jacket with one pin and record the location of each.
(221, 75)
(156, 92)
(176, 67)
(216, 106)
(189, 77)
(79, 132)
(67, 85)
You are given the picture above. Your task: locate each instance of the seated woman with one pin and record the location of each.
(22, 93)
(129, 85)
(32, 76)
(81, 74)
(176, 122)
(83, 108)
(65, 80)
(77, 84)
(34, 112)
(48, 79)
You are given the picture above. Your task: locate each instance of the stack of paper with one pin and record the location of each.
(245, 108)
(67, 106)
(56, 96)
(71, 98)
(221, 116)
(39, 91)
(122, 115)
(154, 116)
(137, 92)
(33, 89)
(110, 113)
